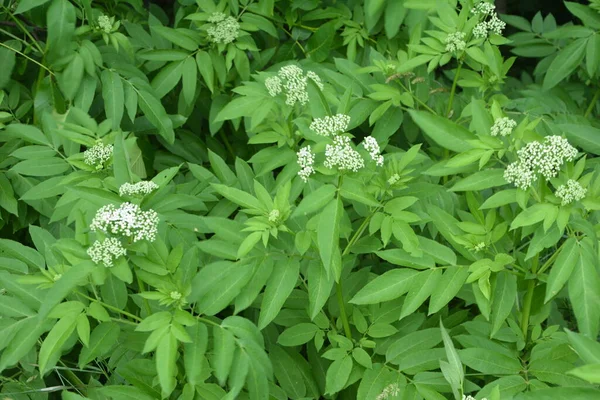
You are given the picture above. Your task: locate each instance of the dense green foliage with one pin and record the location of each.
(304, 199)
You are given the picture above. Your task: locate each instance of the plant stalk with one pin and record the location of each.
(590, 108)
(456, 75)
(527, 300)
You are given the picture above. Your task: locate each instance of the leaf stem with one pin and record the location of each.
(115, 309)
(27, 57)
(590, 108)
(526, 312)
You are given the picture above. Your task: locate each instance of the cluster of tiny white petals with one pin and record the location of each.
(455, 42)
(136, 189)
(105, 24)
(479, 246)
(106, 251)
(341, 155)
(389, 390)
(370, 143)
(274, 215)
(327, 126)
(273, 85)
(224, 30)
(393, 179)
(493, 25)
(572, 191)
(503, 126)
(97, 155)
(128, 220)
(483, 8)
(292, 80)
(471, 398)
(306, 160)
(539, 158)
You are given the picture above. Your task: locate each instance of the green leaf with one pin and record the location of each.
(490, 362)
(297, 334)
(7, 196)
(583, 136)
(223, 351)
(501, 198)
(562, 268)
(480, 180)
(532, 215)
(25, 339)
(205, 66)
(421, 288)
(7, 59)
(27, 5)
(442, 131)
(124, 393)
(29, 133)
(60, 20)
(70, 79)
(453, 370)
(176, 37)
(23, 253)
(560, 393)
(319, 288)
(287, 373)
(167, 78)
(54, 342)
(503, 299)
(447, 288)
(225, 289)
(402, 258)
(41, 167)
(387, 286)
(584, 293)
(166, 367)
(374, 381)
(587, 348)
(328, 236)
(588, 16)
(314, 201)
(65, 285)
(279, 287)
(189, 80)
(567, 60)
(239, 197)
(193, 353)
(102, 339)
(244, 106)
(353, 189)
(338, 374)
(590, 373)
(592, 56)
(156, 114)
(121, 160)
(114, 97)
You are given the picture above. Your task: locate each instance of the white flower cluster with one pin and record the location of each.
(137, 189)
(291, 80)
(175, 295)
(539, 158)
(330, 125)
(370, 143)
(572, 191)
(225, 29)
(503, 126)
(341, 155)
(390, 390)
(106, 251)
(128, 220)
(471, 398)
(274, 215)
(484, 8)
(455, 42)
(105, 23)
(479, 246)
(306, 160)
(97, 155)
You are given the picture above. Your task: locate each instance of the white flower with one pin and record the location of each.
(97, 155)
(496, 25)
(471, 398)
(306, 159)
(274, 215)
(342, 155)
(390, 390)
(503, 127)
(293, 82)
(370, 143)
(327, 126)
(455, 42)
(105, 23)
(224, 30)
(483, 8)
(127, 220)
(393, 179)
(520, 175)
(539, 158)
(106, 251)
(572, 191)
(480, 31)
(273, 85)
(136, 189)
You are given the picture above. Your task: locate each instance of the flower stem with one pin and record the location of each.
(456, 75)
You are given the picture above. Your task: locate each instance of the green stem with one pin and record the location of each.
(421, 102)
(456, 75)
(526, 312)
(115, 309)
(590, 108)
(343, 315)
(27, 57)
